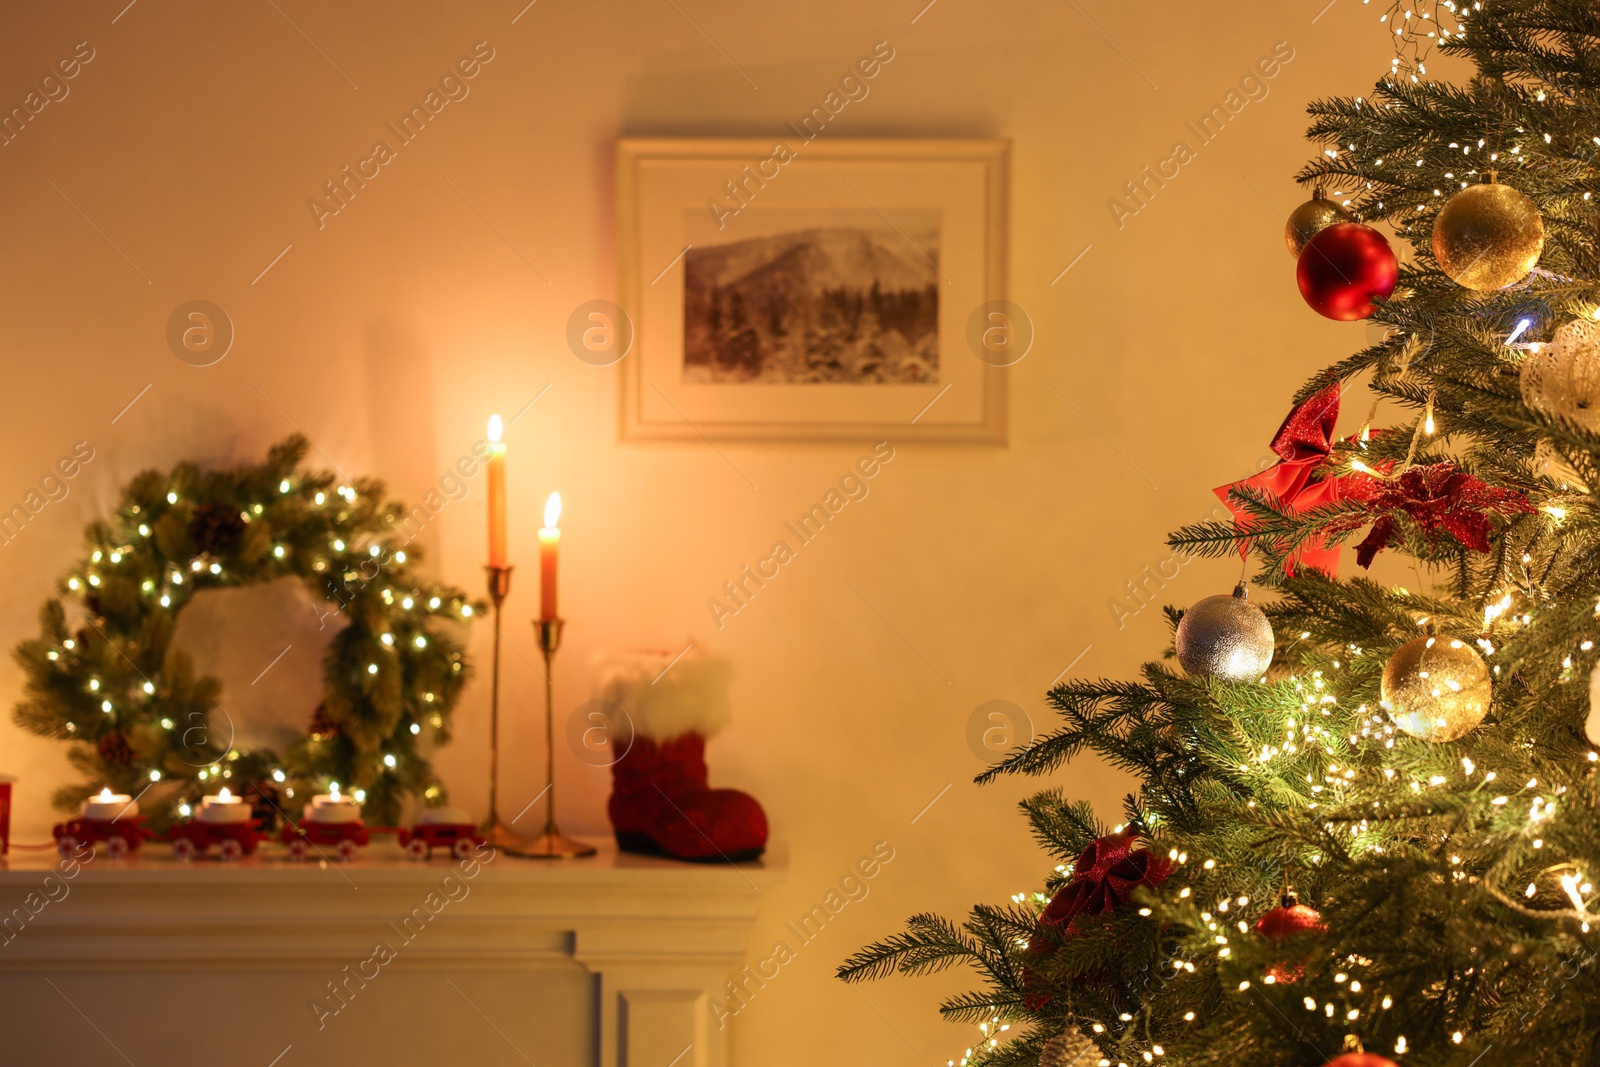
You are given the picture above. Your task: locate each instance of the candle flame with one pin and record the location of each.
(333, 792)
(105, 794)
(496, 429)
(552, 510)
(224, 795)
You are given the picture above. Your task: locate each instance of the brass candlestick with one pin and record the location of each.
(552, 843)
(496, 831)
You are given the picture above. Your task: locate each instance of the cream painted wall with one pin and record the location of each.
(180, 166)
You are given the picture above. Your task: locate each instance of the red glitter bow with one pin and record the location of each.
(1440, 498)
(1302, 444)
(1104, 878)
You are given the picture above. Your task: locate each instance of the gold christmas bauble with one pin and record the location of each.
(1488, 236)
(1310, 219)
(1225, 637)
(1436, 688)
(1562, 378)
(1070, 1048)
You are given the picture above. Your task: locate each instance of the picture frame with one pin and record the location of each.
(785, 289)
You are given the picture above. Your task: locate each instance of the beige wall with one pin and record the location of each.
(196, 135)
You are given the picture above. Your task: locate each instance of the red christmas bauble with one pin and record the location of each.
(1343, 268)
(1360, 1059)
(1289, 918)
(1286, 920)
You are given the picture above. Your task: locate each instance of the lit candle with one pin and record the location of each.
(332, 806)
(224, 807)
(549, 555)
(497, 493)
(109, 806)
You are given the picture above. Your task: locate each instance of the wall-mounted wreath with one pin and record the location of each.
(104, 676)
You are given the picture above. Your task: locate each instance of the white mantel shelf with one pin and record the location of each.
(647, 942)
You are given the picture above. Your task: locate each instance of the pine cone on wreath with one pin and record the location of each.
(114, 748)
(216, 528)
(264, 802)
(322, 727)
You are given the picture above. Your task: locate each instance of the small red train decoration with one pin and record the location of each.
(447, 828)
(110, 822)
(331, 821)
(331, 828)
(345, 839)
(224, 822)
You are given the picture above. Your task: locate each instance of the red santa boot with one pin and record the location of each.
(661, 801)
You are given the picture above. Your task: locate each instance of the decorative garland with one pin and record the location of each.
(104, 677)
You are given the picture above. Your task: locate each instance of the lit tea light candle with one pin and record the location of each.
(549, 557)
(333, 806)
(224, 807)
(109, 806)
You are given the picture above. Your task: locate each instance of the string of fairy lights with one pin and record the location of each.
(1417, 26)
(1316, 700)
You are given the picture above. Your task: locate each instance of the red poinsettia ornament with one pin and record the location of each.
(1298, 480)
(1442, 499)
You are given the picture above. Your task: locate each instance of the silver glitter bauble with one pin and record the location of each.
(1436, 688)
(1562, 379)
(1069, 1049)
(1225, 637)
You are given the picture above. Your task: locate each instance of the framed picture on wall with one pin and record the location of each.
(786, 289)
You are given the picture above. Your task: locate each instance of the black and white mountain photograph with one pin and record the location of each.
(854, 303)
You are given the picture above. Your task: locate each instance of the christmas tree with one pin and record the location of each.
(1382, 844)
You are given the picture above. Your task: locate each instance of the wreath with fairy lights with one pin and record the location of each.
(104, 676)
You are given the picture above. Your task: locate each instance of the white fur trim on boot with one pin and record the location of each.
(666, 699)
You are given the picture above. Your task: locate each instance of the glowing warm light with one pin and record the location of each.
(224, 795)
(333, 792)
(1518, 332)
(1569, 883)
(106, 796)
(495, 468)
(552, 510)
